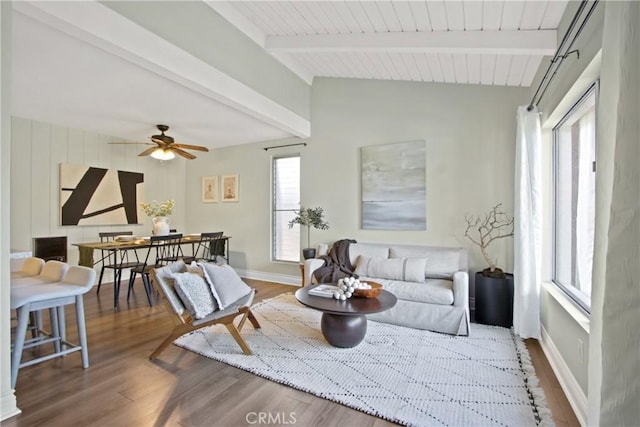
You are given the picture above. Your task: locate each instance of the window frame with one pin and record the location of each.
(273, 240)
(570, 291)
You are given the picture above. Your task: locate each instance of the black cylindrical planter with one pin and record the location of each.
(494, 300)
(308, 253)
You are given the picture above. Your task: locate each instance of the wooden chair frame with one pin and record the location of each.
(184, 322)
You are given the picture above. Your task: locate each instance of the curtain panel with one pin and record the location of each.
(527, 266)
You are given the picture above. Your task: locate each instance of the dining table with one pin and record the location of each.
(119, 248)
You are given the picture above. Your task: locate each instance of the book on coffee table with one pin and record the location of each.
(325, 291)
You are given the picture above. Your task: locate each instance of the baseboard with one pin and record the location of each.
(577, 398)
(8, 405)
(270, 277)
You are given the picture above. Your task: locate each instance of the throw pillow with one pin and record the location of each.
(441, 262)
(196, 268)
(195, 294)
(368, 250)
(225, 283)
(406, 269)
(166, 281)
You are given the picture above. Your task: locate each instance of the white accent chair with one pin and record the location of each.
(33, 295)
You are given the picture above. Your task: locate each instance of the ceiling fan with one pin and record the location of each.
(165, 148)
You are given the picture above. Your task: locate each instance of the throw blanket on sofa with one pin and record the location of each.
(336, 263)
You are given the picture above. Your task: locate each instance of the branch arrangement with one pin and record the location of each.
(483, 230)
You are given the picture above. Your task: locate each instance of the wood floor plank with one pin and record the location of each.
(123, 388)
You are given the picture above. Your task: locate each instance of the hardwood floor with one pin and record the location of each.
(180, 388)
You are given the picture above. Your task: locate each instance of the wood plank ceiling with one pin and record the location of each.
(468, 42)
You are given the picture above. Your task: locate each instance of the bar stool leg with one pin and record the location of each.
(82, 331)
(21, 330)
(55, 328)
(62, 326)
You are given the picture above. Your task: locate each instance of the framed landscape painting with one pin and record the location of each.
(210, 189)
(229, 188)
(394, 186)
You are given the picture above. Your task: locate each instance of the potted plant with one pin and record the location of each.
(309, 217)
(493, 287)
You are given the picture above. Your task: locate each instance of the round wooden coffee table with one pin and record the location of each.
(344, 323)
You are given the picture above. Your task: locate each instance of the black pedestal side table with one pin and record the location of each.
(494, 300)
(344, 323)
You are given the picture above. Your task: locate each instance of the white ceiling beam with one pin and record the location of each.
(238, 20)
(104, 28)
(529, 42)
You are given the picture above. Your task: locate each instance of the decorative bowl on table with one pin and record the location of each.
(125, 238)
(374, 292)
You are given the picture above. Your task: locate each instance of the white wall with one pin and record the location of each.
(470, 134)
(7, 397)
(565, 327)
(38, 149)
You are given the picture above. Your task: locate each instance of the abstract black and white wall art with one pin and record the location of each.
(97, 196)
(394, 186)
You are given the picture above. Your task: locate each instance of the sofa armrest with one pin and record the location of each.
(461, 289)
(311, 265)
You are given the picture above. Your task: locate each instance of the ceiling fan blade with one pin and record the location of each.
(183, 153)
(160, 142)
(131, 143)
(148, 151)
(191, 147)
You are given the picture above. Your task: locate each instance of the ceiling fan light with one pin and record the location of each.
(163, 154)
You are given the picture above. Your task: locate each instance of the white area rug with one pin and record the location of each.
(404, 375)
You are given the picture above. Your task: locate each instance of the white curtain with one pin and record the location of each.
(528, 225)
(614, 341)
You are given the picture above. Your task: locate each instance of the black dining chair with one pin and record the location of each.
(166, 249)
(110, 259)
(211, 245)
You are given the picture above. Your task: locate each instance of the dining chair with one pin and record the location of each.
(208, 248)
(110, 259)
(167, 250)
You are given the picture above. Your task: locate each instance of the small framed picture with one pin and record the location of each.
(210, 189)
(229, 188)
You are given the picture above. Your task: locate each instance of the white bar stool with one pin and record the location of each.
(27, 298)
(30, 267)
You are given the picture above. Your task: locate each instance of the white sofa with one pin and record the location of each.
(431, 283)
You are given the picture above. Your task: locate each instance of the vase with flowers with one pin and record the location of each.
(159, 212)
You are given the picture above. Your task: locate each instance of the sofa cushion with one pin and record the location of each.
(433, 291)
(406, 269)
(195, 294)
(441, 262)
(225, 283)
(368, 250)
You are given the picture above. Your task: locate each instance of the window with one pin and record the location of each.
(574, 205)
(285, 241)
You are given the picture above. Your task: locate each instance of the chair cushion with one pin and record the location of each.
(164, 278)
(195, 294)
(225, 283)
(405, 269)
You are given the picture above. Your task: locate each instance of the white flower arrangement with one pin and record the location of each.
(155, 208)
